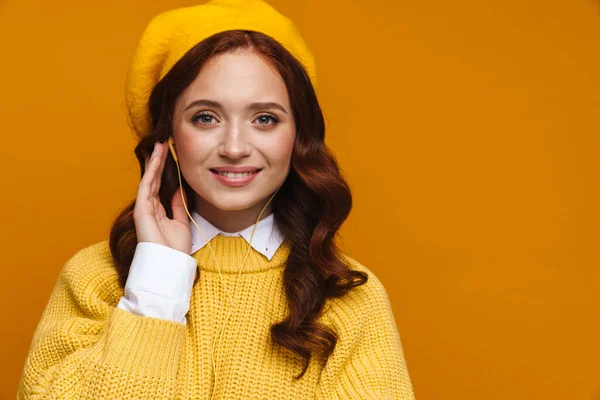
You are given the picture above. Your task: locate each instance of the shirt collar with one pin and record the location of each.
(267, 237)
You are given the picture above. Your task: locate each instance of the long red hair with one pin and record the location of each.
(309, 208)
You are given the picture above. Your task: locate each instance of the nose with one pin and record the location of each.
(234, 144)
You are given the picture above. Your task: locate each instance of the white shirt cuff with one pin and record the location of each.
(160, 282)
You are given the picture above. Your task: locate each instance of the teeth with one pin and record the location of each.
(235, 174)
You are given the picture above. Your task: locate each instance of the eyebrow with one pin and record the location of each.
(252, 106)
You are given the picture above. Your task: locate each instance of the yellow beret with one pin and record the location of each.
(173, 33)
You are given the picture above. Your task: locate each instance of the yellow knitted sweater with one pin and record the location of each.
(85, 347)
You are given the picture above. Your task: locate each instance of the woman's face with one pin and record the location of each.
(236, 113)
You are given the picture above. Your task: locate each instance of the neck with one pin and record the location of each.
(231, 221)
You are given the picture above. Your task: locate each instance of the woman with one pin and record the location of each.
(248, 296)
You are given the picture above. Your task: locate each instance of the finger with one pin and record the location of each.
(161, 166)
(148, 155)
(179, 212)
(145, 187)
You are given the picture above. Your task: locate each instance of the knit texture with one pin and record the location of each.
(86, 348)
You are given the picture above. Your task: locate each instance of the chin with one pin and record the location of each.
(231, 207)
(238, 204)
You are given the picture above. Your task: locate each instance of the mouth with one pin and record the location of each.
(235, 175)
(235, 179)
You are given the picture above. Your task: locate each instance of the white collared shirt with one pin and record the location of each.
(266, 241)
(156, 291)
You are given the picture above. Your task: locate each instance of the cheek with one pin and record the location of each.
(281, 151)
(194, 161)
(193, 147)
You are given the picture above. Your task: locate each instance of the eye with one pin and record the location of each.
(265, 118)
(204, 118)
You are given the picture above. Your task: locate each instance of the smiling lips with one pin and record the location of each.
(231, 168)
(235, 176)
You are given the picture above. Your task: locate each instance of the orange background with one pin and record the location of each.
(469, 133)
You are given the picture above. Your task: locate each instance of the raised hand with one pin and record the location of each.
(149, 215)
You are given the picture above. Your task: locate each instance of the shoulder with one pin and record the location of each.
(92, 259)
(90, 273)
(362, 303)
(373, 288)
